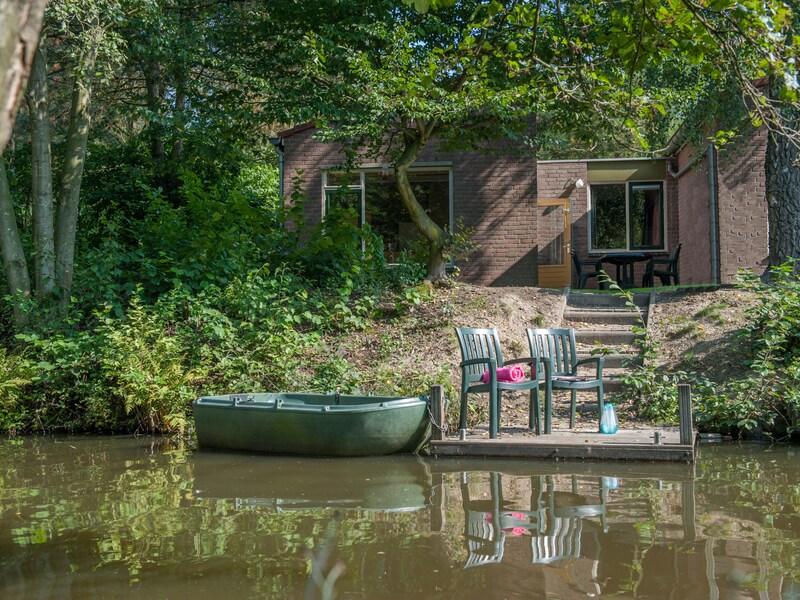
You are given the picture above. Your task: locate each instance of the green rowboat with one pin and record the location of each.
(312, 424)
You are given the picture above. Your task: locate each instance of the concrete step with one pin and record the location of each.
(616, 317)
(594, 300)
(606, 336)
(611, 383)
(614, 361)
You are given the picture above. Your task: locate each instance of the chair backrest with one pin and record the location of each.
(673, 258)
(485, 543)
(576, 261)
(478, 343)
(563, 542)
(556, 344)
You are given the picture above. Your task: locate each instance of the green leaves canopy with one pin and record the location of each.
(471, 70)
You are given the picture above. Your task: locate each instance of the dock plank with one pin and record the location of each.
(627, 444)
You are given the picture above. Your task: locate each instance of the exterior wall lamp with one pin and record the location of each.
(574, 182)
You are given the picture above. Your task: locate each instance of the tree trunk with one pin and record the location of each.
(435, 270)
(41, 178)
(19, 34)
(152, 80)
(70, 185)
(783, 192)
(14, 263)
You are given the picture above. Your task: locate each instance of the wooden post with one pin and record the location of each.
(437, 412)
(685, 407)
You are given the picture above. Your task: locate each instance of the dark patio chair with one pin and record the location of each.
(480, 352)
(558, 346)
(665, 269)
(582, 276)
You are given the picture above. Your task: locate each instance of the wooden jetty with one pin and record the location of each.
(673, 444)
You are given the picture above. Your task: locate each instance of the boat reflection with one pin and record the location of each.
(386, 484)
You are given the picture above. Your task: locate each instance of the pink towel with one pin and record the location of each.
(513, 374)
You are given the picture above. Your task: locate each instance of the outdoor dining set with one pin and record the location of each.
(666, 269)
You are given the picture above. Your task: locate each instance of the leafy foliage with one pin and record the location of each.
(764, 398)
(210, 296)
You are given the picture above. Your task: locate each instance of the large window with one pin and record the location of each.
(626, 216)
(374, 196)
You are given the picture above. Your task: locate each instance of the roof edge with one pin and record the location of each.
(297, 129)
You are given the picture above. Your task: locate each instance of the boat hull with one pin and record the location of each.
(312, 424)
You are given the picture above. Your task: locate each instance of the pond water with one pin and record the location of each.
(119, 517)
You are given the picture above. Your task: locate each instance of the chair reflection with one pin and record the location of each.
(561, 536)
(554, 521)
(488, 522)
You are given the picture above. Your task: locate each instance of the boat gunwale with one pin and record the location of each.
(291, 402)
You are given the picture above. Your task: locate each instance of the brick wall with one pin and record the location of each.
(494, 193)
(694, 230)
(743, 240)
(742, 199)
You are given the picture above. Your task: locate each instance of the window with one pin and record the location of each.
(626, 216)
(374, 195)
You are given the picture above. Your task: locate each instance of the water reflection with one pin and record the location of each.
(133, 517)
(554, 520)
(386, 484)
(637, 533)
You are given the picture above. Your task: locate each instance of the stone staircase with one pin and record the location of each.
(604, 320)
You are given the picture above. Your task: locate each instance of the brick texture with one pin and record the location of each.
(494, 192)
(694, 229)
(742, 199)
(743, 240)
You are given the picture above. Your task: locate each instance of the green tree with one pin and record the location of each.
(731, 47)
(79, 31)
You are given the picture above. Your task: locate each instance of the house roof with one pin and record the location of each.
(297, 129)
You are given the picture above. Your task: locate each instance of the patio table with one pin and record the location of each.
(625, 263)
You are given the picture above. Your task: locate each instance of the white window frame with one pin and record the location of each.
(628, 185)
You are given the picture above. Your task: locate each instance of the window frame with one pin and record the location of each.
(629, 186)
(386, 169)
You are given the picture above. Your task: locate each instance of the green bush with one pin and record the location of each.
(144, 364)
(766, 397)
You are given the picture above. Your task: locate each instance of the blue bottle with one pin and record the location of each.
(608, 420)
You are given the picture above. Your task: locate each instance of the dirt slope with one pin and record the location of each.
(408, 351)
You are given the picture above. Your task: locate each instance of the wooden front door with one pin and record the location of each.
(554, 242)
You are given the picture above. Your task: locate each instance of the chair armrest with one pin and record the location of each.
(490, 362)
(660, 261)
(599, 361)
(520, 361)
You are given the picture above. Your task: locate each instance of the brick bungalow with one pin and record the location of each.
(528, 214)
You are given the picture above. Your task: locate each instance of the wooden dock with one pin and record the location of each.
(653, 445)
(647, 444)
